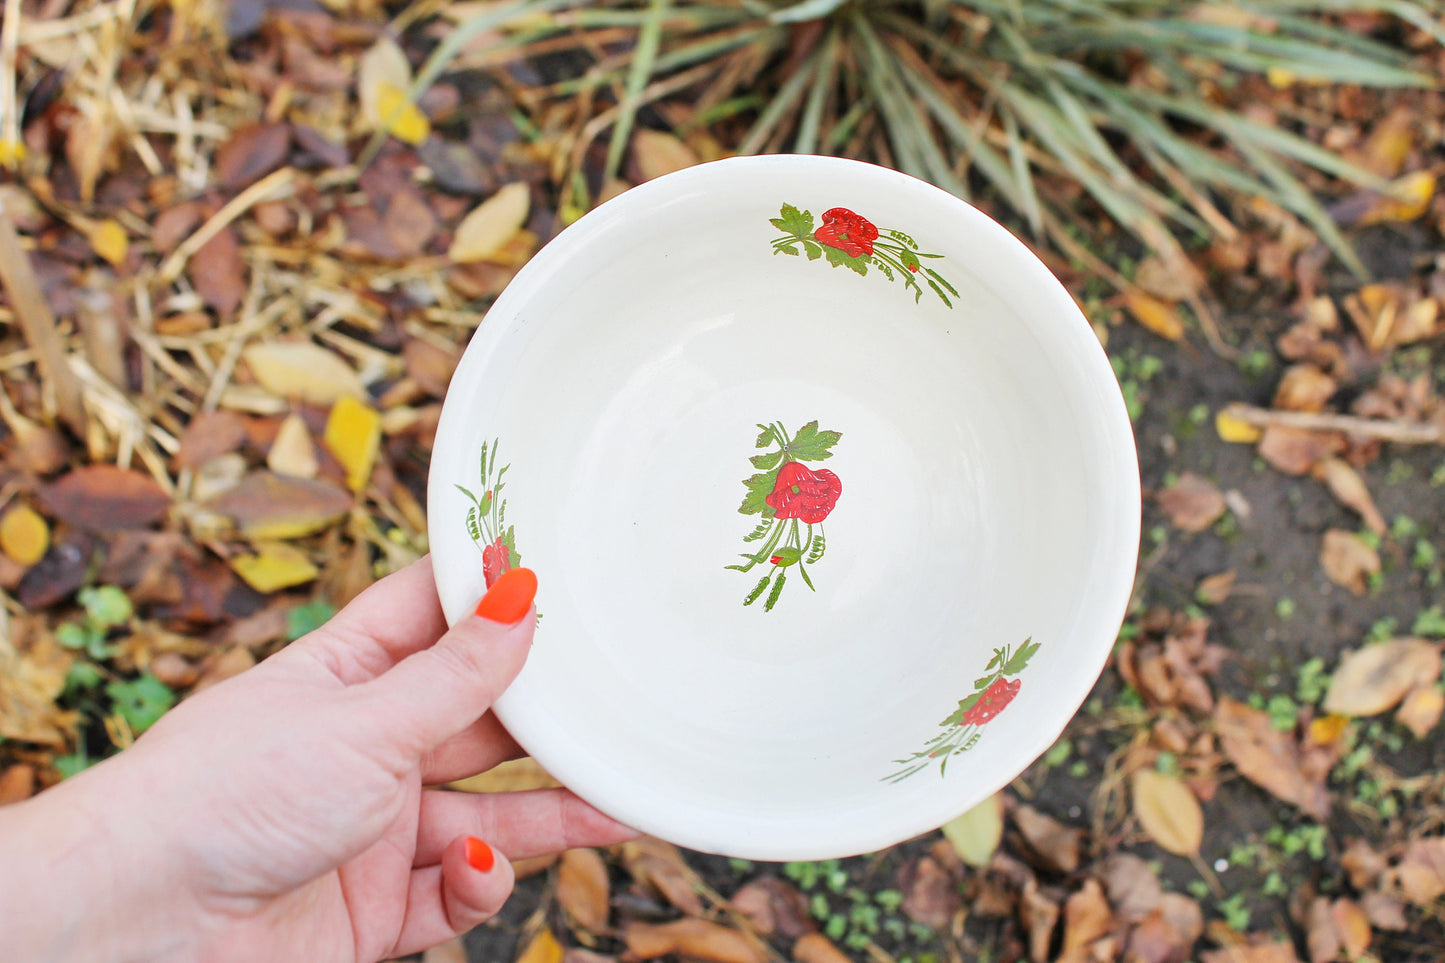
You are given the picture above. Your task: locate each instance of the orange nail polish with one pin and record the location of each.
(479, 855)
(510, 596)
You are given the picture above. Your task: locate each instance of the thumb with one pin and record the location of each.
(433, 694)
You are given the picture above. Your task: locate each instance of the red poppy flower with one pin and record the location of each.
(496, 559)
(995, 699)
(804, 494)
(848, 232)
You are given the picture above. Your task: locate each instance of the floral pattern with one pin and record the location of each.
(848, 239)
(487, 519)
(962, 730)
(792, 499)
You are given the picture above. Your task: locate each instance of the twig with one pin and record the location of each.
(238, 205)
(17, 276)
(1401, 432)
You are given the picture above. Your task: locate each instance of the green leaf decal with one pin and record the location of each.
(1020, 659)
(839, 258)
(759, 487)
(810, 444)
(767, 460)
(793, 221)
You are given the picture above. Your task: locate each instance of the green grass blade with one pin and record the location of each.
(644, 57)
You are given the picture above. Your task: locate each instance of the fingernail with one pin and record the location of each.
(479, 854)
(510, 596)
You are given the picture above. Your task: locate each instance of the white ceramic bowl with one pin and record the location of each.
(959, 479)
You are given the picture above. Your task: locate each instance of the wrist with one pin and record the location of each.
(80, 881)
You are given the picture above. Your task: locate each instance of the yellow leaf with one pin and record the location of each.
(109, 240)
(516, 775)
(303, 370)
(1279, 77)
(544, 948)
(353, 434)
(976, 834)
(1168, 811)
(24, 536)
(383, 65)
(1158, 316)
(1235, 430)
(1409, 198)
(12, 152)
(275, 566)
(659, 153)
(488, 228)
(1327, 730)
(401, 118)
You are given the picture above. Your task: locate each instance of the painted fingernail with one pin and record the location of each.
(510, 596)
(479, 854)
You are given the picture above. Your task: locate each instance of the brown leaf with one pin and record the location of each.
(1346, 485)
(64, 569)
(1348, 560)
(929, 894)
(293, 452)
(1052, 845)
(1353, 927)
(1321, 939)
(1175, 280)
(1373, 679)
(1420, 877)
(223, 666)
(175, 224)
(1384, 911)
(660, 866)
(1295, 451)
(1420, 712)
(17, 783)
(1040, 915)
(269, 506)
(1363, 864)
(1192, 503)
(1303, 387)
(429, 366)
(1168, 811)
(409, 223)
(32, 676)
(250, 153)
(816, 948)
(1213, 589)
(583, 889)
(772, 905)
(207, 435)
(218, 273)
(1087, 917)
(1271, 759)
(456, 167)
(658, 153)
(697, 938)
(1274, 952)
(1158, 939)
(1158, 316)
(487, 229)
(105, 498)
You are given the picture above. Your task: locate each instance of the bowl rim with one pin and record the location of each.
(630, 803)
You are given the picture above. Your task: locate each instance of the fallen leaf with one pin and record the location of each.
(1235, 430)
(695, 938)
(1363, 864)
(65, 568)
(1349, 488)
(1420, 712)
(400, 117)
(1353, 927)
(1409, 197)
(658, 153)
(1384, 911)
(488, 228)
(268, 506)
(975, 835)
(293, 452)
(1273, 952)
(455, 167)
(218, 475)
(207, 435)
(583, 889)
(774, 906)
(1390, 142)
(1348, 560)
(543, 948)
(218, 273)
(24, 536)
(108, 239)
(274, 566)
(302, 370)
(515, 775)
(409, 223)
(1051, 844)
(1303, 387)
(174, 224)
(1158, 316)
(929, 894)
(1272, 759)
(1420, 877)
(36, 448)
(104, 498)
(429, 366)
(1040, 915)
(1213, 589)
(250, 153)
(17, 783)
(353, 435)
(1168, 811)
(1295, 451)
(1087, 918)
(383, 65)
(1173, 280)
(816, 948)
(1168, 934)
(1373, 679)
(32, 676)
(1321, 940)
(226, 665)
(1192, 503)
(659, 866)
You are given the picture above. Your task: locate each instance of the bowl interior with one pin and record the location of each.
(981, 492)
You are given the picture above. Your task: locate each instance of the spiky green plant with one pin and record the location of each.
(1127, 98)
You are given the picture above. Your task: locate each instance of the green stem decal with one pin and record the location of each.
(487, 519)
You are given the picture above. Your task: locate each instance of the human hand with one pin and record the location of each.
(281, 814)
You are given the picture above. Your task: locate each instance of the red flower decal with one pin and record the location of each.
(804, 494)
(496, 559)
(850, 233)
(995, 699)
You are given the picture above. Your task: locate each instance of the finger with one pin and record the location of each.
(480, 746)
(433, 694)
(523, 824)
(468, 888)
